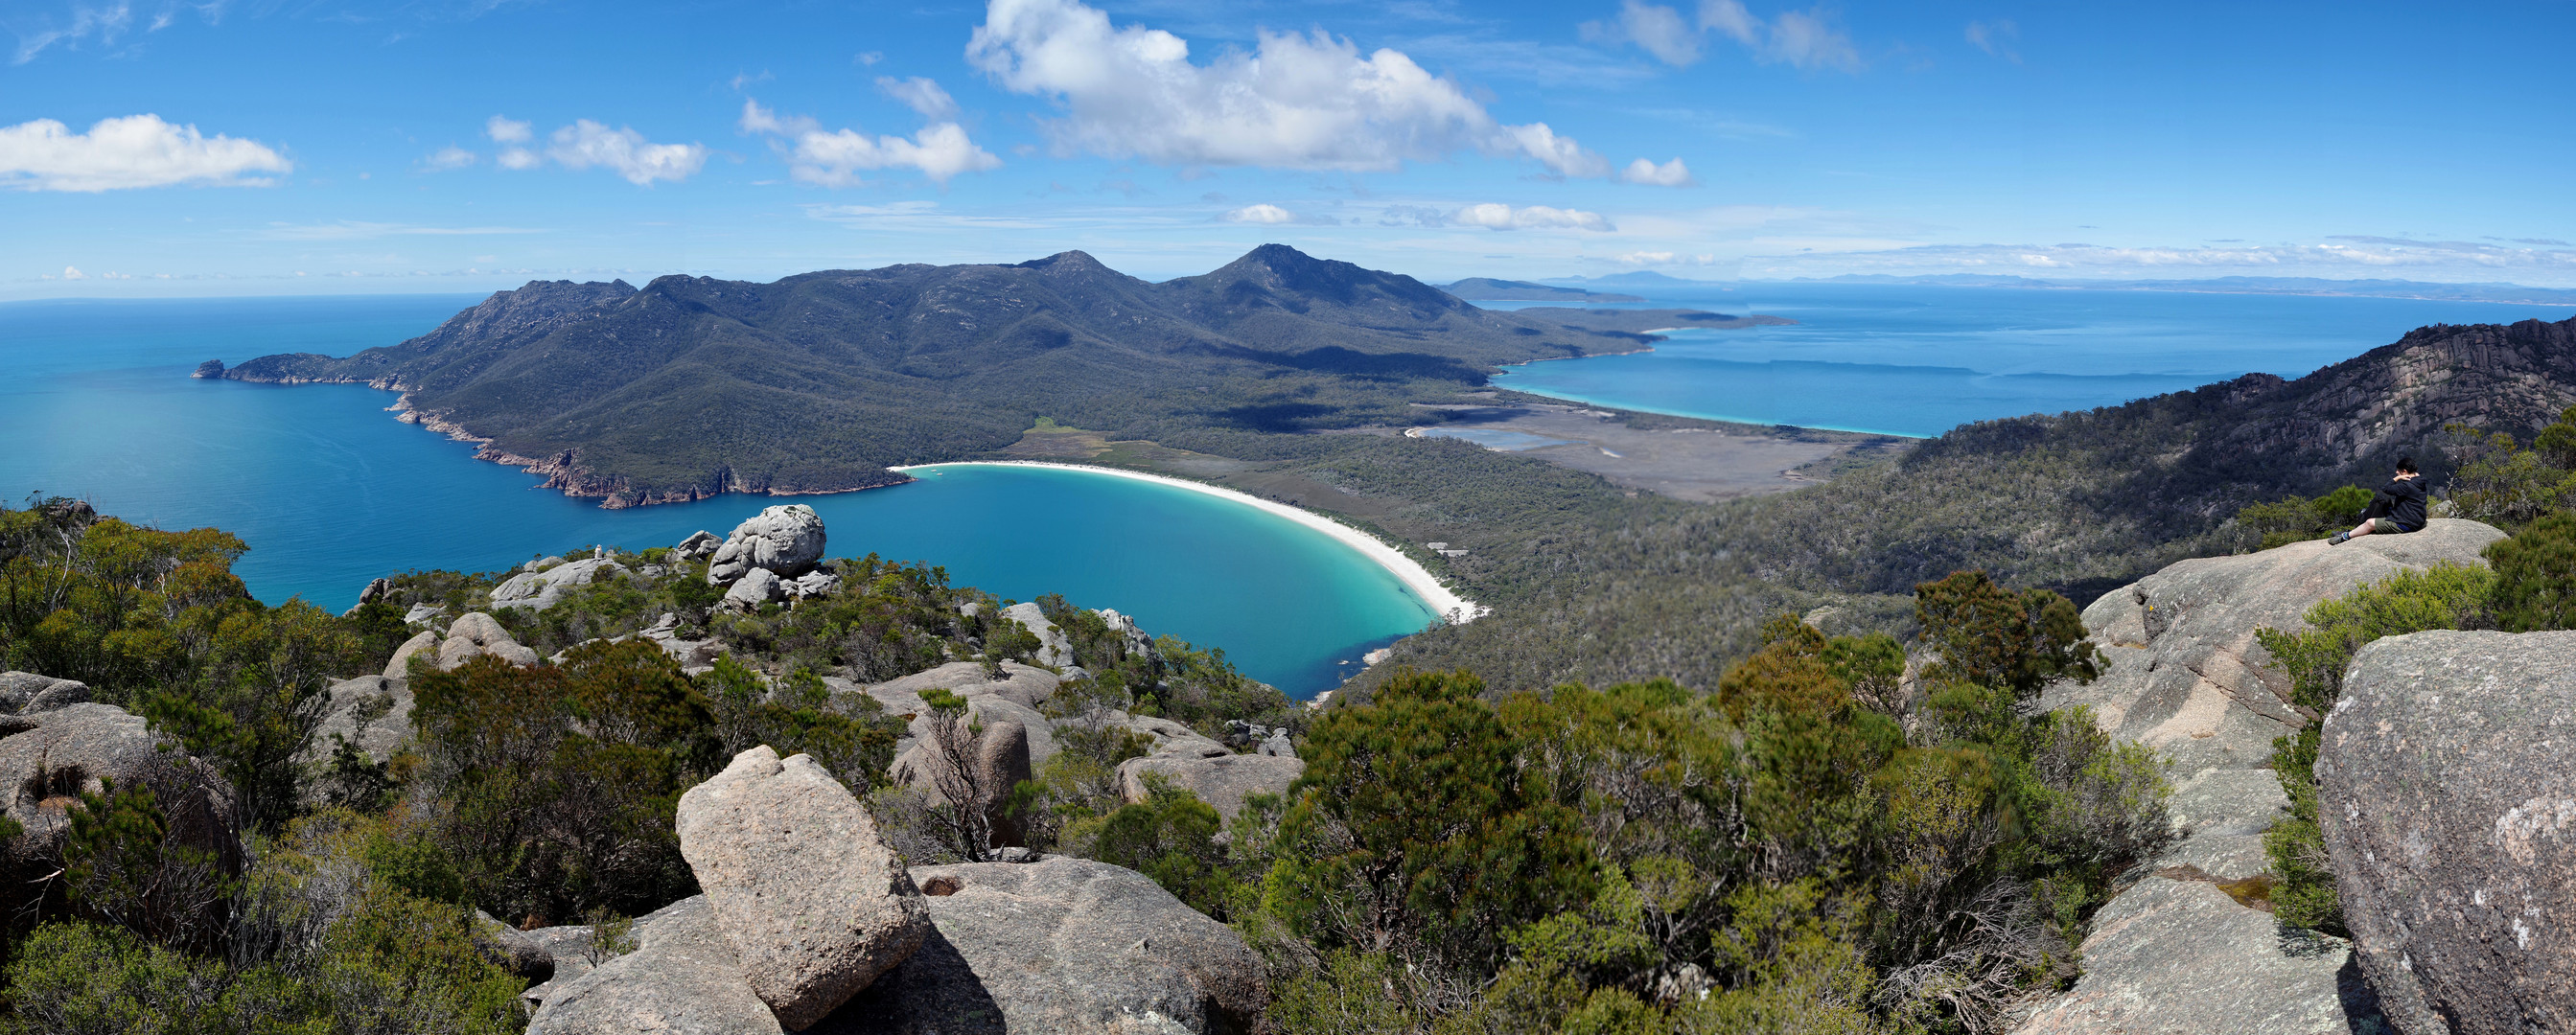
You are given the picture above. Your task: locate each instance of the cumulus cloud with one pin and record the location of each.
(1310, 101)
(74, 273)
(1669, 174)
(1498, 216)
(133, 151)
(1996, 37)
(941, 150)
(449, 157)
(1804, 39)
(586, 144)
(922, 95)
(623, 151)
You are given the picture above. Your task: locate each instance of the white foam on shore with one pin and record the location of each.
(1451, 607)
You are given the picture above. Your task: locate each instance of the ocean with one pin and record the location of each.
(1917, 361)
(330, 491)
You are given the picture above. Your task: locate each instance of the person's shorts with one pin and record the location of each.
(2385, 526)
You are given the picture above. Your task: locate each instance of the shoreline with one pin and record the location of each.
(1444, 603)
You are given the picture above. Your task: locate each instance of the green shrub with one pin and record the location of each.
(2535, 576)
(2445, 596)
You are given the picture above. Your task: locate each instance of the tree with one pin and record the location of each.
(258, 695)
(1991, 636)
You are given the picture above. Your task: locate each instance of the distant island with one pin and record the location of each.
(1488, 289)
(825, 382)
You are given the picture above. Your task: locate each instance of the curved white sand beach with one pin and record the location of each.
(1448, 605)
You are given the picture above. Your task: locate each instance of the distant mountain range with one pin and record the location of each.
(689, 387)
(1487, 289)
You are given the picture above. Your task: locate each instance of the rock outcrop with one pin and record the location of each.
(2447, 796)
(756, 587)
(1060, 946)
(423, 645)
(785, 540)
(538, 590)
(1222, 779)
(701, 543)
(2185, 676)
(372, 713)
(996, 762)
(26, 692)
(475, 634)
(50, 757)
(1055, 649)
(814, 903)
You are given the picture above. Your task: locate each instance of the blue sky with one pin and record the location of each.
(307, 146)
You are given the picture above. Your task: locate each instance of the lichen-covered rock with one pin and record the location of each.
(27, 692)
(2181, 956)
(538, 590)
(784, 540)
(1054, 647)
(683, 979)
(1222, 780)
(475, 634)
(1064, 946)
(815, 904)
(2447, 796)
(54, 756)
(423, 645)
(372, 713)
(757, 587)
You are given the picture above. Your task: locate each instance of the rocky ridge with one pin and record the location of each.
(2176, 951)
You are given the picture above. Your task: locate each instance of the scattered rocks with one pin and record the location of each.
(2182, 956)
(694, 656)
(684, 978)
(1054, 648)
(2447, 796)
(814, 584)
(475, 634)
(24, 693)
(814, 903)
(538, 590)
(421, 614)
(785, 540)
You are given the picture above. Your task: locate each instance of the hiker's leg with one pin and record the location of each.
(2360, 530)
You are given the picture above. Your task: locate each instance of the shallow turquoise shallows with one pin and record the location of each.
(330, 491)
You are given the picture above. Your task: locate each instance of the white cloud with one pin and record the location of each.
(941, 150)
(104, 21)
(2331, 257)
(1996, 38)
(1265, 214)
(1498, 216)
(74, 273)
(1806, 39)
(449, 157)
(1663, 259)
(506, 131)
(624, 152)
(518, 158)
(1669, 174)
(1296, 102)
(921, 95)
(756, 119)
(133, 151)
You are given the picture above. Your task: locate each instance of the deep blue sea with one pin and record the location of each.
(330, 491)
(1907, 360)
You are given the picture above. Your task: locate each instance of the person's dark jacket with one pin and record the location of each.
(2404, 502)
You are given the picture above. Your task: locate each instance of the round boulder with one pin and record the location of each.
(787, 540)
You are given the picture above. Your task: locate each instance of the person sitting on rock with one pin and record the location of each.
(2399, 507)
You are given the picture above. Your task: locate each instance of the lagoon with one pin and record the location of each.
(1918, 360)
(330, 491)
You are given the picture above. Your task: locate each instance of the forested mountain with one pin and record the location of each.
(692, 386)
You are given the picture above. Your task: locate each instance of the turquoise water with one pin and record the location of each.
(330, 491)
(1907, 360)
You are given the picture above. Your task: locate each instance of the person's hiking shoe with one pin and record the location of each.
(2339, 539)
